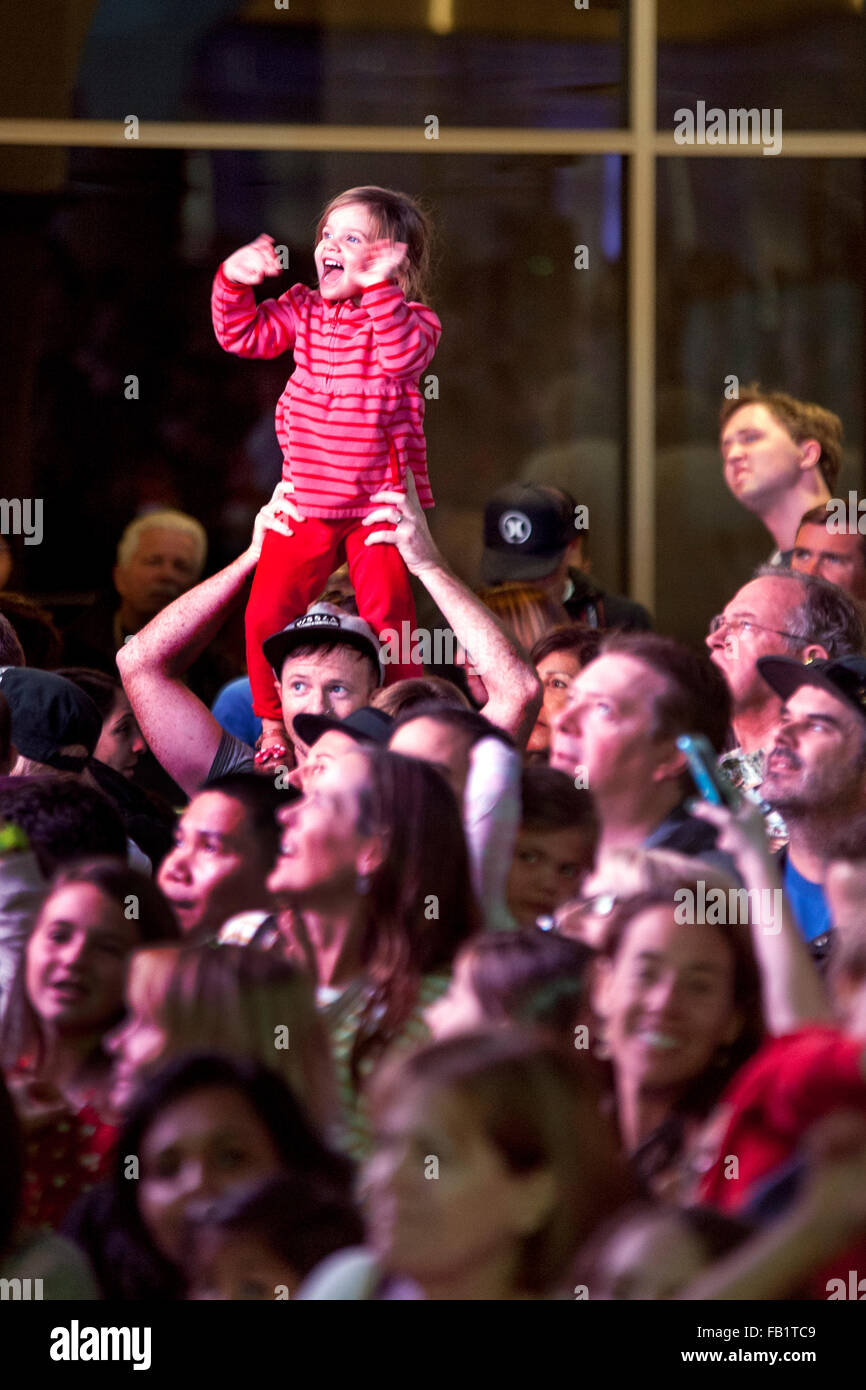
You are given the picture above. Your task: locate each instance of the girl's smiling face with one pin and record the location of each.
(347, 234)
(76, 959)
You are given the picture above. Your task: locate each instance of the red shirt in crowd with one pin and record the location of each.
(62, 1159)
(792, 1082)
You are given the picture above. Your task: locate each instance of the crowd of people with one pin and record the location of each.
(461, 992)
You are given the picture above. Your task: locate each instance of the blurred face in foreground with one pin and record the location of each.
(463, 1227)
(199, 1147)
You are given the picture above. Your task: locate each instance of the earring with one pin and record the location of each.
(362, 884)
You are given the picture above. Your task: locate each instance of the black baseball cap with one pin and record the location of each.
(527, 528)
(845, 677)
(324, 623)
(49, 713)
(365, 725)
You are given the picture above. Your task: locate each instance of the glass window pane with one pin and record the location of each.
(805, 57)
(761, 278)
(379, 62)
(127, 400)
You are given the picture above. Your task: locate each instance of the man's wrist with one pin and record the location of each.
(435, 562)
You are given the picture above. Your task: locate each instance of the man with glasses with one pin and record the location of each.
(778, 613)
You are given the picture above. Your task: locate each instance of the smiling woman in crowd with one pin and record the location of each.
(680, 1011)
(67, 995)
(373, 873)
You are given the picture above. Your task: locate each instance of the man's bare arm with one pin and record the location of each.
(180, 730)
(514, 691)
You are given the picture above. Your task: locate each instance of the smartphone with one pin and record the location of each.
(712, 783)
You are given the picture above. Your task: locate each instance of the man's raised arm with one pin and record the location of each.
(180, 730)
(514, 691)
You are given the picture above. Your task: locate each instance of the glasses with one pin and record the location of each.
(738, 626)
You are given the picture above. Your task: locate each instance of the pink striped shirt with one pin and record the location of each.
(351, 419)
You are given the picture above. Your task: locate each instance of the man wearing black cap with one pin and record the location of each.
(55, 725)
(328, 738)
(539, 535)
(815, 771)
(326, 662)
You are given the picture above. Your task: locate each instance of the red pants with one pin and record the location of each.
(293, 570)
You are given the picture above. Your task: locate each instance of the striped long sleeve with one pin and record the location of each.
(350, 420)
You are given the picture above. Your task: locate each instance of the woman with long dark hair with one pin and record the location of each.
(204, 1126)
(68, 993)
(373, 873)
(679, 1001)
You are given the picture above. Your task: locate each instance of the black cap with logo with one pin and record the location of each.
(364, 725)
(527, 528)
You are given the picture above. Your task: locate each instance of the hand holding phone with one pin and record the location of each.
(712, 783)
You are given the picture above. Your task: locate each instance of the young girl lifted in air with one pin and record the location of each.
(350, 421)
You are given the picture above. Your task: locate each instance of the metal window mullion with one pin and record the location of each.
(641, 333)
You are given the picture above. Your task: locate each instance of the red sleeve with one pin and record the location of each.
(406, 335)
(250, 330)
(817, 1070)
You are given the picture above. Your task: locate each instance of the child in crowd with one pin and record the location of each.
(260, 1244)
(350, 421)
(529, 977)
(554, 848)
